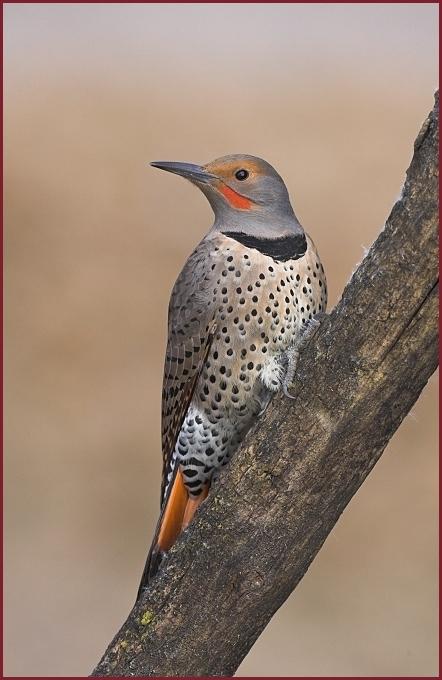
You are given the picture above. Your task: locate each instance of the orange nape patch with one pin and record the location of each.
(235, 200)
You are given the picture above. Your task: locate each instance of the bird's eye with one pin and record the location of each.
(241, 175)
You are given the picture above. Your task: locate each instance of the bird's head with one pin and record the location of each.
(244, 191)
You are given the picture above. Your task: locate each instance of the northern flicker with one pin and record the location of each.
(243, 302)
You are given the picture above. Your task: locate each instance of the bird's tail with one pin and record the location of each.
(168, 527)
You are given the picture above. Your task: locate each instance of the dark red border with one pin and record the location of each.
(1, 303)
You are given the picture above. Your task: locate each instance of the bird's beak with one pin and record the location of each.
(195, 173)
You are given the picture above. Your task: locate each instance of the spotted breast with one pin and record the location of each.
(256, 306)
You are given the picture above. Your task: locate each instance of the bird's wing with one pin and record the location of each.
(190, 331)
(191, 327)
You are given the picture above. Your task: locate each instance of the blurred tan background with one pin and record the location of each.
(333, 96)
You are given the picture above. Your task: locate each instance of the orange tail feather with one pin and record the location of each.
(168, 527)
(172, 518)
(192, 506)
(178, 511)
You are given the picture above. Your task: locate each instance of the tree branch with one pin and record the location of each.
(274, 506)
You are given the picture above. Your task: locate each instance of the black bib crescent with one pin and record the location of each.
(280, 249)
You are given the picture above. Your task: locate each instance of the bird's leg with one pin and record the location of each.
(271, 378)
(291, 354)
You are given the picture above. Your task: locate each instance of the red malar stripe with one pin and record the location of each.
(236, 200)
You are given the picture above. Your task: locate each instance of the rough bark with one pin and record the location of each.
(264, 522)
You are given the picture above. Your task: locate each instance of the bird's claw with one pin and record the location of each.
(286, 393)
(262, 401)
(292, 353)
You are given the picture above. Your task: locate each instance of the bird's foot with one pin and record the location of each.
(263, 402)
(272, 373)
(271, 378)
(291, 355)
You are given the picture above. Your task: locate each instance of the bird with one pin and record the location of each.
(248, 298)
